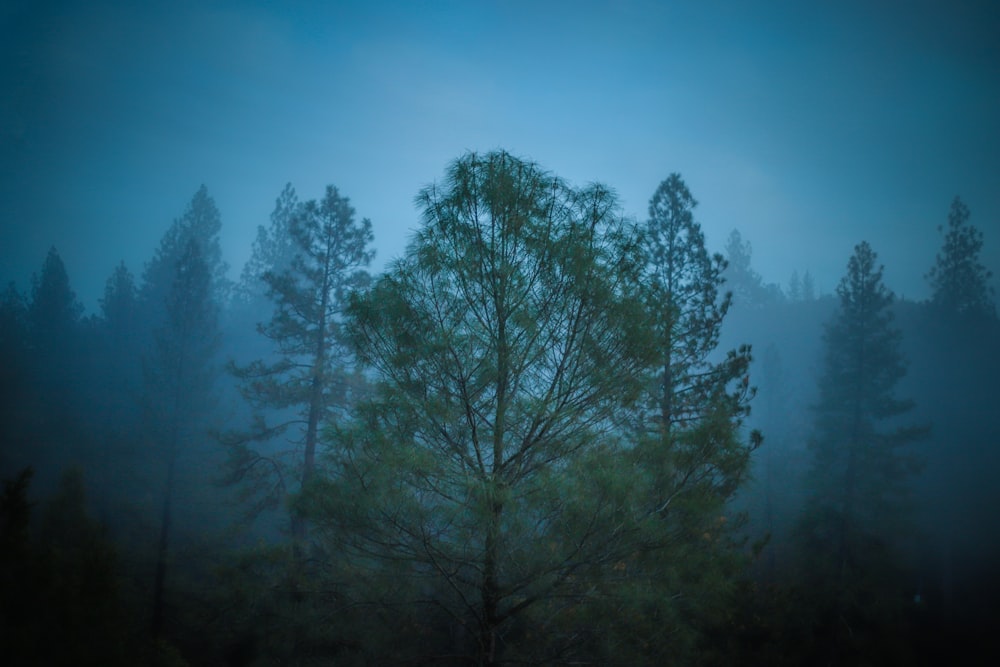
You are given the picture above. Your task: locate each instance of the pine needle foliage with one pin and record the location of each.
(507, 344)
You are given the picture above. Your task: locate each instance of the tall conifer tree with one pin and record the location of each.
(272, 251)
(56, 346)
(481, 479)
(308, 276)
(201, 223)
(179, 389)
(958, 280)
(683, 284)
(691, 446)
(858, 493)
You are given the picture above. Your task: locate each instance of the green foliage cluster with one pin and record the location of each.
(506, 466)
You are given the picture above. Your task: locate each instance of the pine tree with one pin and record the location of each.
(682, 293)
(179, 303)
(180, 374)
(801, 287)
(120, 333)
(958, 280)
(115, 390)
(13, 318)
(118, 305)
(692, 446)
(272, 252)
(201, 223)
(55, 329)
(60, 601)
(747, 285)
(54, 312)
(486, 480)
(308, 276)
(858, 494)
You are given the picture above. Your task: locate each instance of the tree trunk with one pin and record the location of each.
(490, 590)
(161, 552)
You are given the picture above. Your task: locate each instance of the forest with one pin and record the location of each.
(547, 433)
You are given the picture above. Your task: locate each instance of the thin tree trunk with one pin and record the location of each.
(490, 590)
(161, 552)
(299, 529)
(490, 587)
(666, 403)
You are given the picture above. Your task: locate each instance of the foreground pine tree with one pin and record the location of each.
(498, 499)
(691, 449)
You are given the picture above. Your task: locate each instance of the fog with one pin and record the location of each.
(146, 154)
(805, 128)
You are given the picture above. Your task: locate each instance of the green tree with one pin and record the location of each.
(682, 294)
(179, 378)
(200, 223)
(297, 280)
(958, 280)
(488, 477)
(272, 251)
(119, 329)
(53, 319)
(308, 277)
(858, 495)
(692, 450)
(118, 305)
(53, 406)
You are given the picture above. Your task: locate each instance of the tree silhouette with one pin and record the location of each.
(857, 502)
(958, 280)
(682, 294)
(309, 276)
(180, 373)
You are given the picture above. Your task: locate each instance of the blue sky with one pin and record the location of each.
(807, 126)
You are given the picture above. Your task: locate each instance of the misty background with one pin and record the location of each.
(147, 237)
(805, 126)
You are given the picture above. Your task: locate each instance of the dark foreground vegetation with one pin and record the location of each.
(546, 434)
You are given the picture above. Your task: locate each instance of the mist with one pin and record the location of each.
(182, 418)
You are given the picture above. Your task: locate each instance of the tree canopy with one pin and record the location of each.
(497, 469)
(959, 281)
